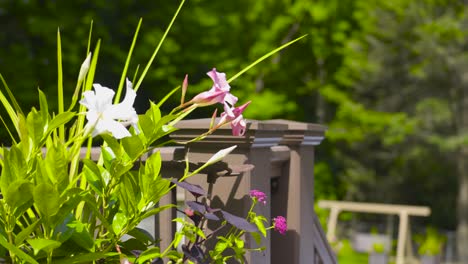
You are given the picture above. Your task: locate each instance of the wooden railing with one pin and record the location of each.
(282, 156)
(402, 211)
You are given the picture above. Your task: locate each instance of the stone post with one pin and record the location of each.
(267, 145)
(294, 198)
(231, 192)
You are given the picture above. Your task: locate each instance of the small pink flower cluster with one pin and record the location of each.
(260, 196)
(220, 93)
(280, 225)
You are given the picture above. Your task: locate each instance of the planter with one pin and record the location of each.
(364, 242)
(378, 258)
(426, 259)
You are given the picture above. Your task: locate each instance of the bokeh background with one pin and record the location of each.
(388, 78)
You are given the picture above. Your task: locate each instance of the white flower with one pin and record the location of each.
(104, 116)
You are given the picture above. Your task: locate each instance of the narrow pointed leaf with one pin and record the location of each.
(158, 47)
(18, 252)
(43, 244)
(264, 57)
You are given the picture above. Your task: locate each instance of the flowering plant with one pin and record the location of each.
(58, 204)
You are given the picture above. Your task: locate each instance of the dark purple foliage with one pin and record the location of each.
(194, 189)
(239, 222)
(211, 216)
(197, 206)
(195, 254)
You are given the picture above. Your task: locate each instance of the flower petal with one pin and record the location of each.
(117, 129)
(238, 126)
(124, 111)
(103, 98)
(230, 98)
(219, 79)
(209, 97)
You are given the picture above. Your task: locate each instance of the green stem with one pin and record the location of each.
(60, 85)
(49, 257)
(167, 249)
(12, 241)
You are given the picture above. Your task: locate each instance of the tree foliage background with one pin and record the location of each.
(388, 78)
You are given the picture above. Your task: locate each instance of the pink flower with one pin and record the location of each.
(189, 212)
(219, 92)
(220, 84)
(238, 126)
(234, 115)
(280, 225)
(259, 195)
(209, 97)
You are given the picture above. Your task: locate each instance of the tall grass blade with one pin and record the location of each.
(158, 47)
(11, 97)
(264, 57)
(9, 108)
(161, 102)
(127, 63)
(60, 84)
(8, 130)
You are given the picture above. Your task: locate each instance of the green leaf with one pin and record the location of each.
(35, 126)
(150, 121)
(129, 194)
(177, 238)
(46, 245)
(85, 258)
(14, 168)
(157, 210)
(57, 166)
(23, 130)
(239, 242)
(93, 176)
(149, 254)
(133, 146)
(153, 187)
(199, 232)
(91, 203)
(26, 232)
(44, 106)
(146, 125)
(81, 235)
(221, 246)
(119, 222)
(59, 120)
(153, 165)
(18, 193)
(62, 231)
(257, 237)
(42, 173)
(46, 199)
(260, 224)
(142, 235)
(18, 252)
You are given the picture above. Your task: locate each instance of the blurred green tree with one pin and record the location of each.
(386, 77)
